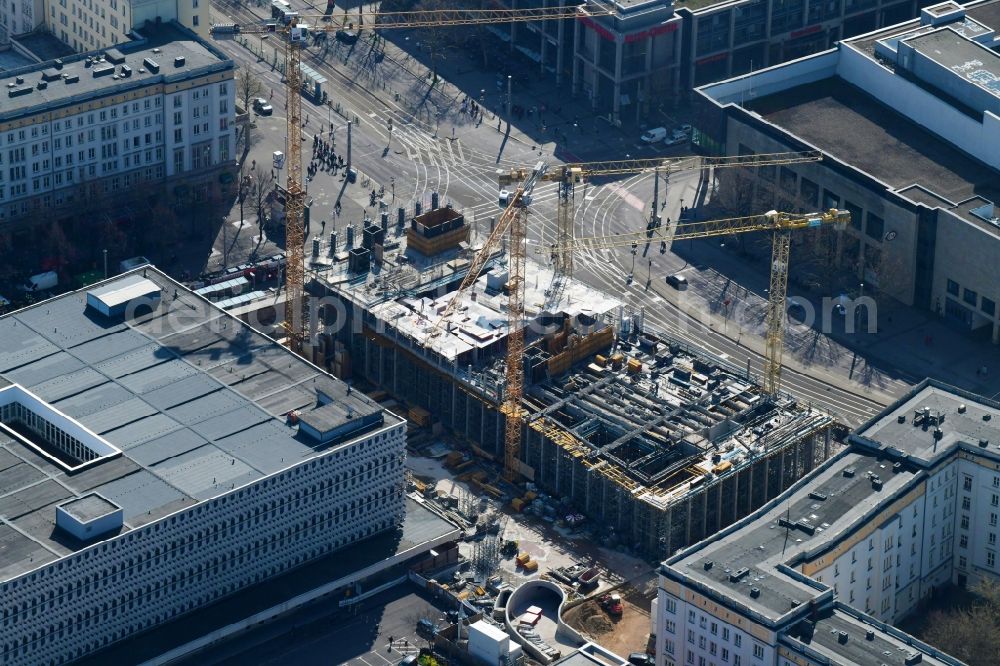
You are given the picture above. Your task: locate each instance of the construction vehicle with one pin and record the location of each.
(296, 30)
(612, 604)
(779, 224)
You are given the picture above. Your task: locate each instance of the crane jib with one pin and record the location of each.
(815, 221)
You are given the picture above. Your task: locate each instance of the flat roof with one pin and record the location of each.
(973, 62)
(123, 291)
(89, 507)
(421, 529)
(195, 399)
(850, 125)
(761, 544)
(917, 440)
(882, 649)
(166, 42)
(987, 13)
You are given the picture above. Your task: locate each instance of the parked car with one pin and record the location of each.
(676, 139)
(408, 660)
(641, 659)
(654, 135)
(346, 36)
(684, 128)
(262, 107)
(677, 281)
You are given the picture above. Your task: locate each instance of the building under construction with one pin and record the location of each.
(661, 444)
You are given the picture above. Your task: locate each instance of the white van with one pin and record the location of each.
(654, 135)
(41, 282)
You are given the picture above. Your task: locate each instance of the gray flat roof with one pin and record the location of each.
(973, 62)
(194, 398)
(917, 440)
(847, 123)
(89, 507)
(760, 543)
(165, 43)
(882, 649)
(987, 13)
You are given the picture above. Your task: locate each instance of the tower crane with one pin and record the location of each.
(296, 34)
(570, 175)
(779, 224)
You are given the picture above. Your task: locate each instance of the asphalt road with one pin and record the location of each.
(423, 154)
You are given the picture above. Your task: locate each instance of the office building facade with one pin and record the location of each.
(149, 476)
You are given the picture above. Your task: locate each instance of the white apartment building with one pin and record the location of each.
(150, 468)
(101, 124)
(826, 569)
(19, 17)
(85, 25)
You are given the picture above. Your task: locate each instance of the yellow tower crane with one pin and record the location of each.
(296, 35)
(779, 224)
(570, 175)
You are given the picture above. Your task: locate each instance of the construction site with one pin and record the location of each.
(658, 443)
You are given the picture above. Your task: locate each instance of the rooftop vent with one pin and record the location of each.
(817, 496)
(51, 74)
(961, 408)
(841, 637)
(20, 79)
(151, 64)
(89, 516)
(870, 635)
(897, 467)
(115, 56)
(913, 658)
(754, 592)
(938, 433)
(72, 78)
(179, 61)
(103, 69)
(57, 63)
(987, 417)
(126, 71)
(17, 92)
(88, 62)
(849, 472)
(708, 565)
(156, 50)
(738, 575)
(983, 443)
(42, 85)
(901, 418)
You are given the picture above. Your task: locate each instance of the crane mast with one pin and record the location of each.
(295, 199)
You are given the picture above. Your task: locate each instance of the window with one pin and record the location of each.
(988, 307)
(691, 636)
(993, 520)
(965, 523)
(809, 192)
(671, 627)
(725, 654)
(970, 297)
(715, 626)
(876, 227)
(995, 500)
(758, 651)
(671, 606)
(963, 541)
(725, 633)
(962, 562)
(991, 558)
(967, 481)
(952, 287)
(737, 640)
(830, 200)
(992, 538)
(966, 503)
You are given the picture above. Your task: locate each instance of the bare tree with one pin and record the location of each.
(971, 634)
(261, 184)
(248, 86)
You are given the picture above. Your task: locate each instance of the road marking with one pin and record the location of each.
(461, 153)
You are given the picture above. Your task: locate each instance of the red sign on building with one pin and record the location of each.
(652, 32)
(597, 27)
(806, 31)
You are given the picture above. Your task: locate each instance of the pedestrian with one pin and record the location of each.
(498, 124)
